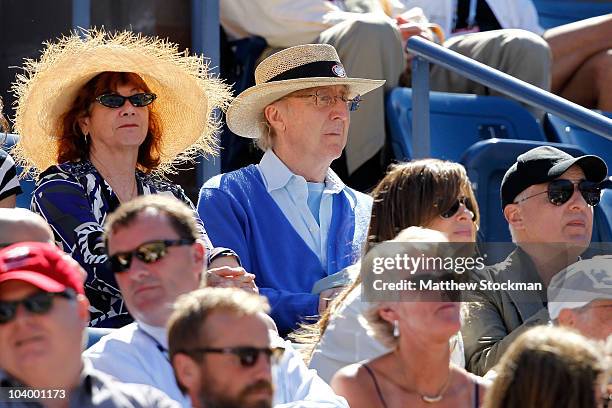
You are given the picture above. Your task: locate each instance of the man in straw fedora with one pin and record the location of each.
(102, 119)
(290, 218)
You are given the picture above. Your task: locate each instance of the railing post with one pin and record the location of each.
(507, 84)
(205, 39)
(421, 146)
(81, 16)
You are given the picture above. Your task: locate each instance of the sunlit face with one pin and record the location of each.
(35, 347)
(458, 228)
(149, 290)
(428, 315)
(317, 133)
(224, 382)
(125, 126)
(543, 222)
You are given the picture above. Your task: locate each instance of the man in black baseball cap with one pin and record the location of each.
(547, 199)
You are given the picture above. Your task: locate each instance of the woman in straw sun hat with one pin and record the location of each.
(102, 119)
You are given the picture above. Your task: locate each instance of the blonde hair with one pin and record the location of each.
(428, 245)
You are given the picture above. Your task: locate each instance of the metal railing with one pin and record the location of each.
(426, 51)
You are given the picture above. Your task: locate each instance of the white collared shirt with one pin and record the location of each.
(131, 355)
(290, 192)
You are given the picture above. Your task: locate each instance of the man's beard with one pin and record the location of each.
(209, 398)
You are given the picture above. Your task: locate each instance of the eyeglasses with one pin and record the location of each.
(116, 101)
(39, 303)
(561, 190)
(149, 252)
(467, 202)
(248, 356)
(323, 100)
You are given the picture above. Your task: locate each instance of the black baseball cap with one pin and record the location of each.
(543, 164)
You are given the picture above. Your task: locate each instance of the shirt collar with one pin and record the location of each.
(158, 333)
(277, 175)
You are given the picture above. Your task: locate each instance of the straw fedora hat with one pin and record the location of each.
(186, 94)
(287, 71)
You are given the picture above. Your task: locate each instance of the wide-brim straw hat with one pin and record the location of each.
(287, 71)
(186, 94)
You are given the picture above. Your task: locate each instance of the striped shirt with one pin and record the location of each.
(9, 184)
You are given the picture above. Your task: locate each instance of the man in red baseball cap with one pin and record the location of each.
(43, 316)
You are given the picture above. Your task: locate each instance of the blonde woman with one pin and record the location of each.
(417, 371)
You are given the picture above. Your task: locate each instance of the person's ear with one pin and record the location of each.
(275, 115)
(187, 372)
(388, 313)
(199, 252)
(84, 124)
(83, 308)
(514, 216)
(567, 318)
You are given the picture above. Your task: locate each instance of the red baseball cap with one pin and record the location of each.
(43, 265)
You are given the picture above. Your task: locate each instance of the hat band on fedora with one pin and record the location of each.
(332, 69)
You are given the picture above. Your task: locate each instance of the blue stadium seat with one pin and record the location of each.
(457, 121)
(486, 163)
(562, 131)
(94, 334)
(554, 13)
(602, 228)
(27, 184)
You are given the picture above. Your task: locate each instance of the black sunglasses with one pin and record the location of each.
(467, 202)
(561, 190)
(39, 303)
(248, 356)
(116, 101)
(149, 252)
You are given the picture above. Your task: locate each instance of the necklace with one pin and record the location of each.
(438, 397)
(431, 399)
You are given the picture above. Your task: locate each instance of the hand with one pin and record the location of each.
(410, 25)
(326, 296)
(231, 277)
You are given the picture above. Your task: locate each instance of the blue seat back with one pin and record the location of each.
(28, 184)
(486, 163)
(562, 131)
(94, 334)
(553, 13)
(457, 121)
(602, 223)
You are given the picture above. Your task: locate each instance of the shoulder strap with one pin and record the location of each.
(378, 391)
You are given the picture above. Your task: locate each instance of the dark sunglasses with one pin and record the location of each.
(39, 303)
(149, 252)
(467, 202)
(561, 190)
(248, 356)
(116, 101)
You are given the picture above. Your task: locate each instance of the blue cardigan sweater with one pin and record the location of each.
(239, 213)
